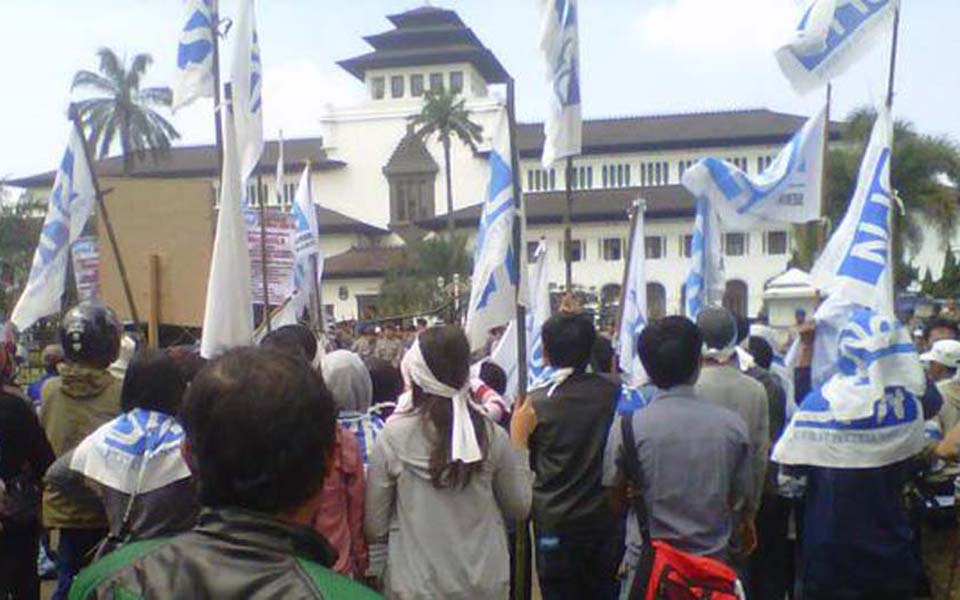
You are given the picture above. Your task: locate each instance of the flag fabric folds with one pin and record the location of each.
(786, 191)
(247, 83)
(856, 266)
(228, 314)
(706, 282)
(831, 36)
(70, 206)
(194, 77)
(633, 315)
(560, 44)
(493, 293)
(306, 243)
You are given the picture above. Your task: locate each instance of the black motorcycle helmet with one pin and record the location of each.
(718, 327)
(90, 335)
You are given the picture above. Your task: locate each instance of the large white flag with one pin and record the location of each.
(706, 282)
(228, 314)
(538, 311)
(493, 291)
(560, 44)
(856, 266)
(71, 203)
(633, 313)
(786, 191)
(195, 54)
(831, 36)
(247, 82)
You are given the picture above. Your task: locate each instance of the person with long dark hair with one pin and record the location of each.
(441, 479)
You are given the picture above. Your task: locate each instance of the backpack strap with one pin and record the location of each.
(88, 580)
(631, 463)
(334, 585)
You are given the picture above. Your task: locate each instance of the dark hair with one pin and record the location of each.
(152, 382)
(941, 323)
(494, 376)
(261, 427)
(447, 353)
(761, 351)
(601, 355)
(386, 379)
(568, 340)
(743, 328)
(670, 350)
(188, 360)
(292, 339)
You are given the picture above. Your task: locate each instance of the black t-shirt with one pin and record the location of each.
(23, 444)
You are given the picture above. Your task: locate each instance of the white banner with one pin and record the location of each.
(560, 44)
(194, 77)
(247, 83)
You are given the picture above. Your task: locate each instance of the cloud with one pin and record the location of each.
(719, 27)
(296, 93)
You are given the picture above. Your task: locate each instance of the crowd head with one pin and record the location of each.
(90, 335)
(152, 382)
(568, 340)
(670, 350)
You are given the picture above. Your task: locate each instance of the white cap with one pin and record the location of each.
(945, 352)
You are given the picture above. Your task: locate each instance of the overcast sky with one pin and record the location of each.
(639, 57)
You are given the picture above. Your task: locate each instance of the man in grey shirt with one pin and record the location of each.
(693, 455)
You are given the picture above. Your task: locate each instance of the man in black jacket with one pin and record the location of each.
(259, 437)
(579, 541)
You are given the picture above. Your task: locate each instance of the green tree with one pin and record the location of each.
(444, 115)
(920, 162)
(122, 112)
(20, 222)
(927, 286)
(412, 287)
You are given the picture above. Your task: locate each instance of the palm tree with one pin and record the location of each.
(444, 115)
(920, 163)
(412, 286)
(123, 112)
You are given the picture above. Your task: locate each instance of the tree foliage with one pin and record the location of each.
(20, 222)
(444, 116)
(948, 286)
(412, 288)
(121, 111)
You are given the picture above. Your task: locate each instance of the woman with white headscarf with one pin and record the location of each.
(441, 479)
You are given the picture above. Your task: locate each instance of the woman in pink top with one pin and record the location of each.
(340, 519)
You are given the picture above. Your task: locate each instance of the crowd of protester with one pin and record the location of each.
(391, 460)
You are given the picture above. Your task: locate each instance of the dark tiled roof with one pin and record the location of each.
(363, 262)
(665, 132)
(331, 221)
(410, 156)
(589, 206)
(201, 161)
(426, 36)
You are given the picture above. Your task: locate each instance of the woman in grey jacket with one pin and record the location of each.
(441, 479)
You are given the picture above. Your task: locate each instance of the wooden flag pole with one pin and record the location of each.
(263, 253)
(522, 577)
(134, 315)
(568, 225)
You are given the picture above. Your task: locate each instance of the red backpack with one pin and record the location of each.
(664, 572)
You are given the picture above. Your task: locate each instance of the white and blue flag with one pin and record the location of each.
(247, 84)
(493, 292)
(195, 54)
(868, 414)
(706, 282)
(831, 36)
(560, 44)
(70, 206)
(856, 266)
(788, 191)
(633, 313)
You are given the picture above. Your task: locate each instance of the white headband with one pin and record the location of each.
(463, 438)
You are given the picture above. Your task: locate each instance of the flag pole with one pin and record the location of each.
(522, 577)
(134, 315)
(318, 316)
(893, 57)
(637, 207)
(218, 125)
(821, 231)
(263, 253)
(568, 225)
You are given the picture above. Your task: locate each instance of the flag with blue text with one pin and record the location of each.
(831, 36)
(306, 242)
(560, 44)
(706, 282)
(70, 206)
(228, 313)
(787, 191)
(856, 266)
(194, 77)
(493, 290)
(247, 84)
(633, 313)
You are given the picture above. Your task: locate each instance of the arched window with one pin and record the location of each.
(656, 301)
(735, 297)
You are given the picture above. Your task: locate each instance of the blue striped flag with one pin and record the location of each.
(194, 77)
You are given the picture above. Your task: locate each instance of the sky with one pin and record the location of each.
(638, 57)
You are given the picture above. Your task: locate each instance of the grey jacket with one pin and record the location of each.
(443, 543)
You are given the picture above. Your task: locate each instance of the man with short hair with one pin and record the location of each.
(51, 356)
(253, 538)
(694, 456)
(943, 362)
(940, 329)
(578, 538)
